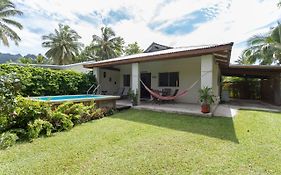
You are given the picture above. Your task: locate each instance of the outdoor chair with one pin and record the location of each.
(119, 92)
(166, 92)
(125, 93)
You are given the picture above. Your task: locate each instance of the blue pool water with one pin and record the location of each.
(64, 98)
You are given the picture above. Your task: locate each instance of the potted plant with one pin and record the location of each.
(206, 97)
(134, 98)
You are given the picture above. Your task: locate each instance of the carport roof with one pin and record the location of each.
(252, 71)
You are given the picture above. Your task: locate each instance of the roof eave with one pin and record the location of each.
(166, 56)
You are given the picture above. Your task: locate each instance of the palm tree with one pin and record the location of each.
(87, 54)
(64, 45)
(108, 45)
(243, 60)
(133, 48)
(7, 10)
(265, 48)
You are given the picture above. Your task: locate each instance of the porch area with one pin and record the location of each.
(226, 109)
(169, 78)
(176, 107)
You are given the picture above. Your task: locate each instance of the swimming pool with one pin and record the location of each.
(100, 100)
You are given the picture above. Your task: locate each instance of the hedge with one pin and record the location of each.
(44, 82)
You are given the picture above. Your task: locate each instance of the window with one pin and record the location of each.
(126, 80)
(169, 79)
(163, 79)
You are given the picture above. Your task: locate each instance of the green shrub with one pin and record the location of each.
(107, 111)
(31, 119)
(43, 82)
(21, 133)
(61, 121)
(9, 85)
(39, 127)
(29, 110)
(80, 113)
(7, 139)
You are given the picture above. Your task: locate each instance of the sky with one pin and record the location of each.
(175, 23)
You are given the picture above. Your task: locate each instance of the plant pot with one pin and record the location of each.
(205, 108)
(134, 103)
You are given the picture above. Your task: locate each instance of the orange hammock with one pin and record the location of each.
(168, 98)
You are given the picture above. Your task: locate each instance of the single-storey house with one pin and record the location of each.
(162, 67)
(174, 68)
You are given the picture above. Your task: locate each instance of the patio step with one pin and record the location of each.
(122, 107)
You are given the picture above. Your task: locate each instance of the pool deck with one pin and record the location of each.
(99, 99)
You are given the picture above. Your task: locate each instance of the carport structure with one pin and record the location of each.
(270, 87)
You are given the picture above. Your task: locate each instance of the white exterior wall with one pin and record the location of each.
(216, 79)
(189, 72)
(111, 87)
(135, 80)
(125, 69)
(207, 69)
(210, 74)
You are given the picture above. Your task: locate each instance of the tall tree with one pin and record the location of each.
(265, 48)
(87, 54)
(40, 59)
(243, 60)
(8, 10)
(64, 45)
(279, 4)
(25, 60)
(133, 48)
(108, 45)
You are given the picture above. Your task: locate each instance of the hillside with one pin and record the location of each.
(5, 57)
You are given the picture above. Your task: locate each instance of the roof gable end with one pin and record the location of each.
(156, 47)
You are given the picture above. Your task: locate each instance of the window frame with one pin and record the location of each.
(126, 83)
(168, 78)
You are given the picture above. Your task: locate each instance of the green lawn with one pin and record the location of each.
(143, 142)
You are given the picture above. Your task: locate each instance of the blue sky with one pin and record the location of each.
(169, 22)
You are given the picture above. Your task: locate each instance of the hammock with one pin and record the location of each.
(168, 98)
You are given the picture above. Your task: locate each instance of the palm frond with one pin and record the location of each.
(12, 22)
(8, 9)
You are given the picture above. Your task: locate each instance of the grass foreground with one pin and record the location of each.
(144, 142)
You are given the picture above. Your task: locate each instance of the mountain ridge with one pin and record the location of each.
(6, 57)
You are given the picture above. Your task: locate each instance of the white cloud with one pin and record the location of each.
(235, 20)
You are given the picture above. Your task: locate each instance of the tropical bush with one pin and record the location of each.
(26, 119)
(43, 82)
(7, 139)
(32, 119)
(61, 121)
(80, 113)
(39, 127)
(9, 86)
(29, 110)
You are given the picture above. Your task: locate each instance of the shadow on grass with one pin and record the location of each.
(217, 127)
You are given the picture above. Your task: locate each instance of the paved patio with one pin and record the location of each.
(180, 108)
(229, 109)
